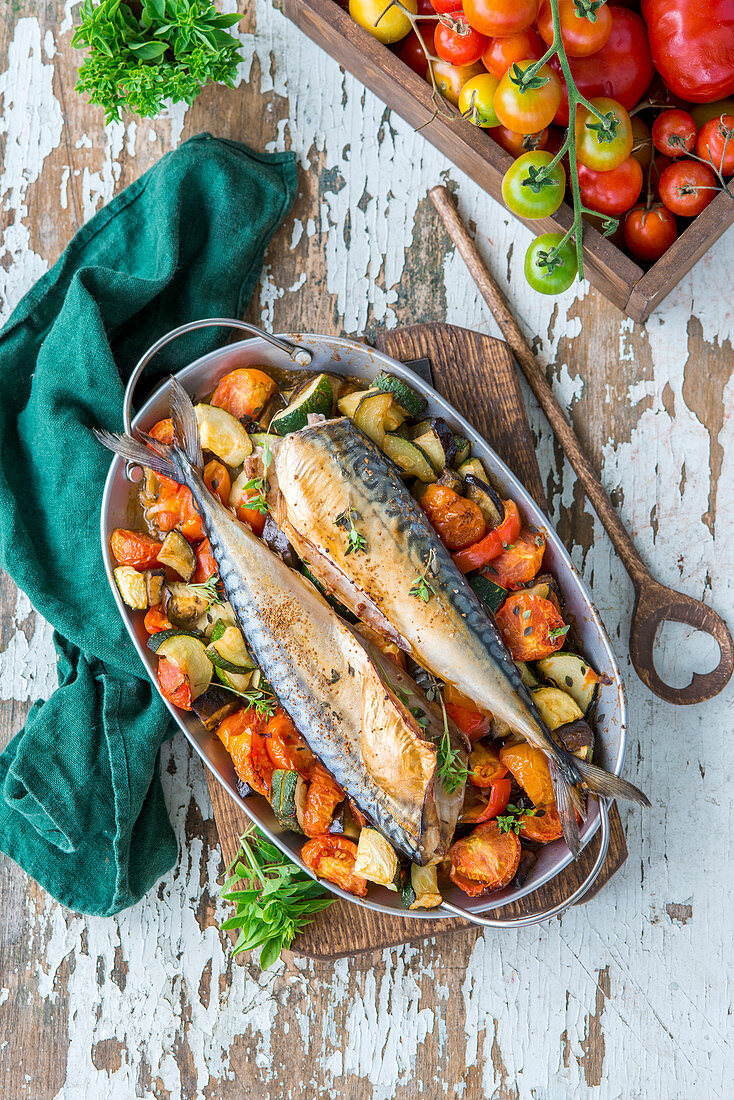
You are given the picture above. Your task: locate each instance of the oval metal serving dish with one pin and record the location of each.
(352, 359)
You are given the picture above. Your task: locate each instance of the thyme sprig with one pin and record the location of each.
(256, 503)
(452, 771)
(422, 589)
(208, 590)
(355, 541)
(512, 821)
(259, 699)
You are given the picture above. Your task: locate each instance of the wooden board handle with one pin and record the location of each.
(654, 603)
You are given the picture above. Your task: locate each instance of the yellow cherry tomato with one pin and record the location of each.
(476, 100)
(450, 79)
(386, 24)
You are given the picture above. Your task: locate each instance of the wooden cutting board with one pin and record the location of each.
(477, 374)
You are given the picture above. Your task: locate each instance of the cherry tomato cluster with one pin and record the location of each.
(636, 160)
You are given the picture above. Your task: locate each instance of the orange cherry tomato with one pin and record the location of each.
(322, 798)
(217, 480)
(458, 521)
(487, 857)
(517, 144)
(530, 768)
(241, 735)
(163, 431)
(531, 626)
(174, 507)
(206, 566)
(544, 825)
(520, 562)
(174, 684)
(485, 766)
(253, 517)
(134, 548)
(155, 620)
(244, 392)
(471, 722)
(450, 79)
(580, 36)
(500, 18)
(500, 53)
(334, 858)
(493, 543)
(529, 110)
(285, 746)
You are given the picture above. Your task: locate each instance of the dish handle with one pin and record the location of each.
(554, 910)
(301, 356)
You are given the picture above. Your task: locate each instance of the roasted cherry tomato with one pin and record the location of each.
(500, 53)
(687, 187)
(674, 133)
(611, 192)
(156, 620)
(596, 147)
(485, 766)
(459, 45)
(487, 858)
(715, 143)
(458, 521)
(470, 721)
(516, 144)
(476, 100)
(245, 391)
(526, 111)
(168, 505)
(411, 53)
(531, 626)
(206, 566)
(548, 268)
(450, 79)
(520, 562)
(217, 479)
(501, 18)
(163, 431)
(499, 798)
(253, 517)
(134, 548)
(530, 768)
(543, 826)
(174, 684)
(334, 858)
(530, 190)
(241, 735)
(285, 746)
(322, 798)
(386, 24)
(490, 547)
(622, 69)
(649, 233)
(579, 35)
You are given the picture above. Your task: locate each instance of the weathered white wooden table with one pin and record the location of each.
(629, 996)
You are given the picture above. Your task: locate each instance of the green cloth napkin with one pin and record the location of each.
(81, 805)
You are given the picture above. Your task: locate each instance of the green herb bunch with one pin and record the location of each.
(150, 51)
(274, 899)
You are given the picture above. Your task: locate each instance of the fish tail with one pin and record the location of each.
(185, 428)
(607, 785)
(570, 776)
(160, 459)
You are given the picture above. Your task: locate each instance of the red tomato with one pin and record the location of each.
(206, 566)
(519, 563)
(443, 7)
(134, 548)
(156, 621)
(674, 133)
(649, 233)
(425, 7)
(456, 47)
(715, 143)
(217, 480)
(500, 18)
(241, 735)
(285, 746)
(692, 45)
(174, 506)
(530, 110)
(531, 626)
(163, 431)
(412, 54)
(457, 520)
(500, 53)
(322, 798)
(687, 187)
(490, 547)
(517, 144)
(244, 392)
(471, 722)
(621, 70)
(485, 860)
(334, 858)
(498, 799)
(611, 192)
(580, 36)
(174, 684)
(543, 826)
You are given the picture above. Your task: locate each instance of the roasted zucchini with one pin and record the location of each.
(317, 396)
(406, 397)
(573, 674)
(420, 887)
(227, 650)
(371, 415)
(288, 799)
(188, 653)
(556, 707)
(177, 554)
(223, 435)
(408, 457)
(492, 594)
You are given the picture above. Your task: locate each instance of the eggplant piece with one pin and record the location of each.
(546, 586)
(244, 790)
(214, 706)
(277, 541)
(488, 500)
(154, 582)
(447, 437)
(451, 479)
(183, 606)
(578, 738)
(177, 554)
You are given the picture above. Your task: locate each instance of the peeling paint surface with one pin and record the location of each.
(626, 997)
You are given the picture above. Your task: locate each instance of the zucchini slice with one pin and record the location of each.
(413, 403)
(573, 674)
(376, 859)
(409, 457)
(139, 589)
(223, 435)
(347, 405)
(463, 450)
(216, 616)
(176, 553)
(214, 706)
(487, 500)
(371, 414)
(227, 649)
(238, 681)
(420, 887)
(288, 799)
(189, 654)
(527, 675)
(429, 441)
(494, 595)
(556, 707)
(475, 467)
(317, 396)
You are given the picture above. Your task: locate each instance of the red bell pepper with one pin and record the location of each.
(493, 543)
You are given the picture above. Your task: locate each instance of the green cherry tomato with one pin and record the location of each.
(600, 146)
(550, 270)
(531, 192)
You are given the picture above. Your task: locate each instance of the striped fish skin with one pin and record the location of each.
(330, 467)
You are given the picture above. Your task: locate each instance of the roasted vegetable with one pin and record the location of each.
(408, 457)
(578, 738)
(556, 707)
(227, 650)
(483, 552)
(485, 766)
(217, 480)
(519, 563)
(406, 397)
(531, 626)
(134, 548)
(376, 859)
(248, 499)
(184, 605)
(316, 396)
(574, 675)
(322, 798)
(484, 861)
(244, 392)
(488, 500)
(371, 415)
(492, 594)
(288, 799)
(285, 746)
(188, 653)
(530, 769)
(463, 451)
(457, 520)
(543, 825)
(214, 706)
(139, 590)
(334, 858)
(449, 478)
(223, 435)
(419, 889)
(177, 554)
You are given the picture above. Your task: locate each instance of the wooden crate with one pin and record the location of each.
(610, 270)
